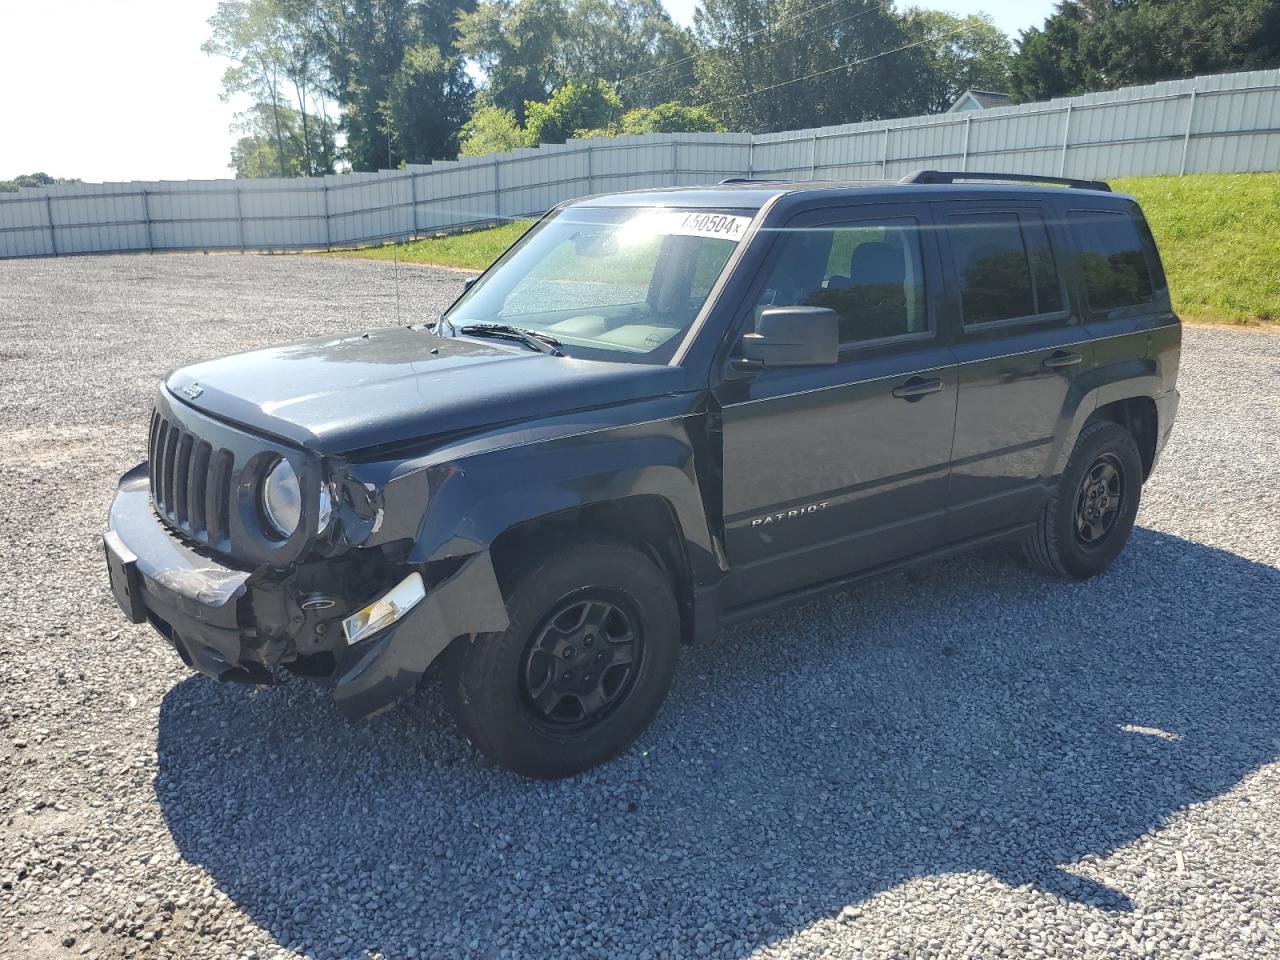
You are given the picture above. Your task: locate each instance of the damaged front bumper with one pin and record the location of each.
(209, 612)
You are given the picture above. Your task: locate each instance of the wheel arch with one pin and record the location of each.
(647, 522)
(1138, 415)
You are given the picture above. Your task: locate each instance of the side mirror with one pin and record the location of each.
(468, 283)
(792, 337)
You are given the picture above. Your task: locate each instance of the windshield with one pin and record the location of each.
(620, 283)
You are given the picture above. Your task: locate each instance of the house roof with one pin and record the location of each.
(979, 100)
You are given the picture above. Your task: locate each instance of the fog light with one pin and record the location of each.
(386, 610)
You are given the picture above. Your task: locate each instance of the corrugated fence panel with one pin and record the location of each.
(453, 194)
(1227, 122)
(852, 153)
(24, 225)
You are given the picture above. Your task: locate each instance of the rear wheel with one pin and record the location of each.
(1087, 522)
(580, 672)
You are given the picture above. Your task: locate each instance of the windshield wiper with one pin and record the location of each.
(534, 338)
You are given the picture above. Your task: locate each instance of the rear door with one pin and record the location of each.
(1022, 347)
(835, 469)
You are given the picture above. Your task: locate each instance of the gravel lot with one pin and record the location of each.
(966, 761)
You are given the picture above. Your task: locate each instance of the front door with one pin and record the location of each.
(836, 469)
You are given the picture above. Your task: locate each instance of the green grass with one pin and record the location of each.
(1219, 236)
(473, 250)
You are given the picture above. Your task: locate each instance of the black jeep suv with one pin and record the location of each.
(657, 413)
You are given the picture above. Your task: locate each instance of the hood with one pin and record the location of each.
(401, 384)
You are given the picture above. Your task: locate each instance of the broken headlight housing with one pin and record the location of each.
(281, 500)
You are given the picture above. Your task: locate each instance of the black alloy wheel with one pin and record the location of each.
(1099, 500)
(582, 661)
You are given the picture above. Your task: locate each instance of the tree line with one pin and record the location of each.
(410, 81)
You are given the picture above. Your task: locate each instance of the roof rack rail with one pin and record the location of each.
(750, 180)
(951, 176)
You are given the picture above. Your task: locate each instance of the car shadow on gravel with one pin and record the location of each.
(970, 716)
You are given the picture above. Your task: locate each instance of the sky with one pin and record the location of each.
(86, 80)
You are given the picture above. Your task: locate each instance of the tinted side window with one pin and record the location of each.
(870, 272)
(1004, 266)
(1111, 259)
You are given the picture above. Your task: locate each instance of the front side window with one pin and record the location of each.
(1111, 259)
(1004, 265)
(609, 282)
(870, 272)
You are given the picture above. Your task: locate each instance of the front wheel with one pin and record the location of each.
(588, 657)
(1087, 521)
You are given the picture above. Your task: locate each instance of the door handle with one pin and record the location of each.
(1061, 358)
(917, 388)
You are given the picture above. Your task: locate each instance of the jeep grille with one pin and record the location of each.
(190, 482)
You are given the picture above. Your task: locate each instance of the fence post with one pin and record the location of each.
(1066, 137)
(1186, 137)
(675, 159)
(884, 157)
(813, 155)
(413, 194)
(146, 218)
(751, 157)
(328, 224)
(590, 172)
(239, 214)
(53, 231)
(497, 188)
(964, 153)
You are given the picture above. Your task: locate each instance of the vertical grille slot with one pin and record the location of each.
(168, 461)
(158, 430)
(198, 486)
(218, 497)
(182, 480)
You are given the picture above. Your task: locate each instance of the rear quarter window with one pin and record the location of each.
(1112, 258)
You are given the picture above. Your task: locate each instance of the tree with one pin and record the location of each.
(492, 130)
(33, 180)
(247, 32)
(771, 65)
(670, 117)
(1103, 44)
(516, 43)
(960, 53)
(632, 45)
(527, 49)
(394, 67)
(257, 152)
(277, 59)
(574, 107)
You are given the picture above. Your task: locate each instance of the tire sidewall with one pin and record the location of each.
(494, 701)
(1079, 560)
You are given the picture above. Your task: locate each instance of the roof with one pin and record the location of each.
(979, 100)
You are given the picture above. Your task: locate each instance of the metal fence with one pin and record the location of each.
(1227, 122)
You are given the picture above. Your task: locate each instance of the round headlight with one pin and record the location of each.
(282, 498)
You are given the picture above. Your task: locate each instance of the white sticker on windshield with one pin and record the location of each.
(686, 223)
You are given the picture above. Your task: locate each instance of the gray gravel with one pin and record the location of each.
(967, 761)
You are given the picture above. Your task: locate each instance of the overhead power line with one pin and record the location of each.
(842, 66)
(754, 33)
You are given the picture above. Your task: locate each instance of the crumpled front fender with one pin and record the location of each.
(468, 602)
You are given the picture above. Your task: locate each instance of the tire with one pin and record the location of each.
(527, 697)
(1081, 531)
